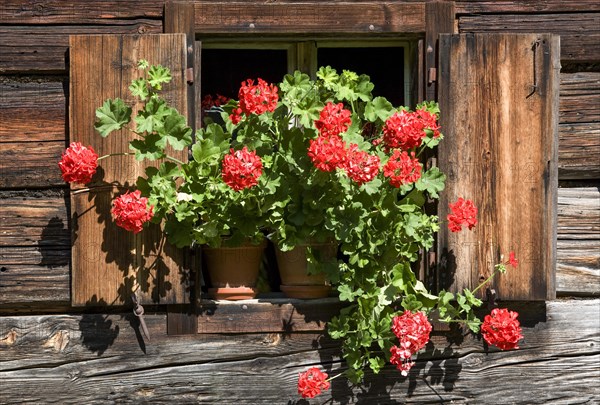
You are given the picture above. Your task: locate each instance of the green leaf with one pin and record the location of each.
(175, 131)
(112, 116)
(376, 364)
(432, 181)
(139, 88)
(147, 148)
(329, 77)
(372, 187)
(142, 64)
(379, 108)
(157, 75)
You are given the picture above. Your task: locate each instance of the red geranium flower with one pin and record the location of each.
(402, 168)
(512, 260)
(502, 329)
(404, 130)
(210, 101)
(360, 166)
(429, 121)
(257, 98)
(464, 213)
(334, 120)
(412, 330)
(327, 153)
(312, 382)
(131, 211)
(78, 163)
(402, 359)
(241, 169)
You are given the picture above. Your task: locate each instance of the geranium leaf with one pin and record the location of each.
(139, 88)
(112, 116)
(431, 181)
(158, 75)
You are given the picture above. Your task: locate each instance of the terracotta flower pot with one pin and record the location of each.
(233, 271)
(293, 269)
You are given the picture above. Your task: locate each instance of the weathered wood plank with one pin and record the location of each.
(33, 285)
(524, 6)
(98, 358)
(578, 250)
(77, 11)
(32, 109)
(580, 97)
(578, 268)
(579, 32)
(500, 146)
(276, 315)
(30, 49)
(579, 130)
(306, 18)
(20, 168)
(579, 213)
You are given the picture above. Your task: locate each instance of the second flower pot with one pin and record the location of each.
(293, 269)
(233, 271)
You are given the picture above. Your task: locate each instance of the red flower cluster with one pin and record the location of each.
(429, 121)
(334, 120)
(78, 163)
(360, 166)
(402, 168)
(257, 98)
(241, 169)
(502, 329)
(412, 329)
(464, 213)
(131, 211)
(512, 260)
(404, 130)
(210, 101)
(327, 153)
(312, 382)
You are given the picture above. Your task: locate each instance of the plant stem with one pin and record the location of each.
(115, 154)
(486, 281)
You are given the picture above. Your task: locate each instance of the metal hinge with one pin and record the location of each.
(189, 75)
(431, 75)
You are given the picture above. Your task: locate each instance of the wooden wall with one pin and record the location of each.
(52, 351)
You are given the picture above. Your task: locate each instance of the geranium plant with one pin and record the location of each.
(308, 160)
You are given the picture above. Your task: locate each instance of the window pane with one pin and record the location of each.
(385, 66)
(223, 70)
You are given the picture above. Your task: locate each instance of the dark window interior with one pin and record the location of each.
(384, 65)
(223, 70)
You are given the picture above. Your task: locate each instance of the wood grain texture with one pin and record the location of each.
(33, 109)
(43, 49)
(77, 11)
(578, 253)
(305, 18)
(273, 315)
(500, 151)
(439, 18)
(22, 170)
(99, 358)
(579, 32)
(579, 130)
(35, 249)
(524, 6)
(110, 263)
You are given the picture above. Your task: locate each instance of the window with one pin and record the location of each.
(226, 64)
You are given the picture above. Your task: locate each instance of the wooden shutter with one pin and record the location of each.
(109, 263)
(498, 97)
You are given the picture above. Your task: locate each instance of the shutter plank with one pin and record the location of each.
(109, 262)
(501, 152)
